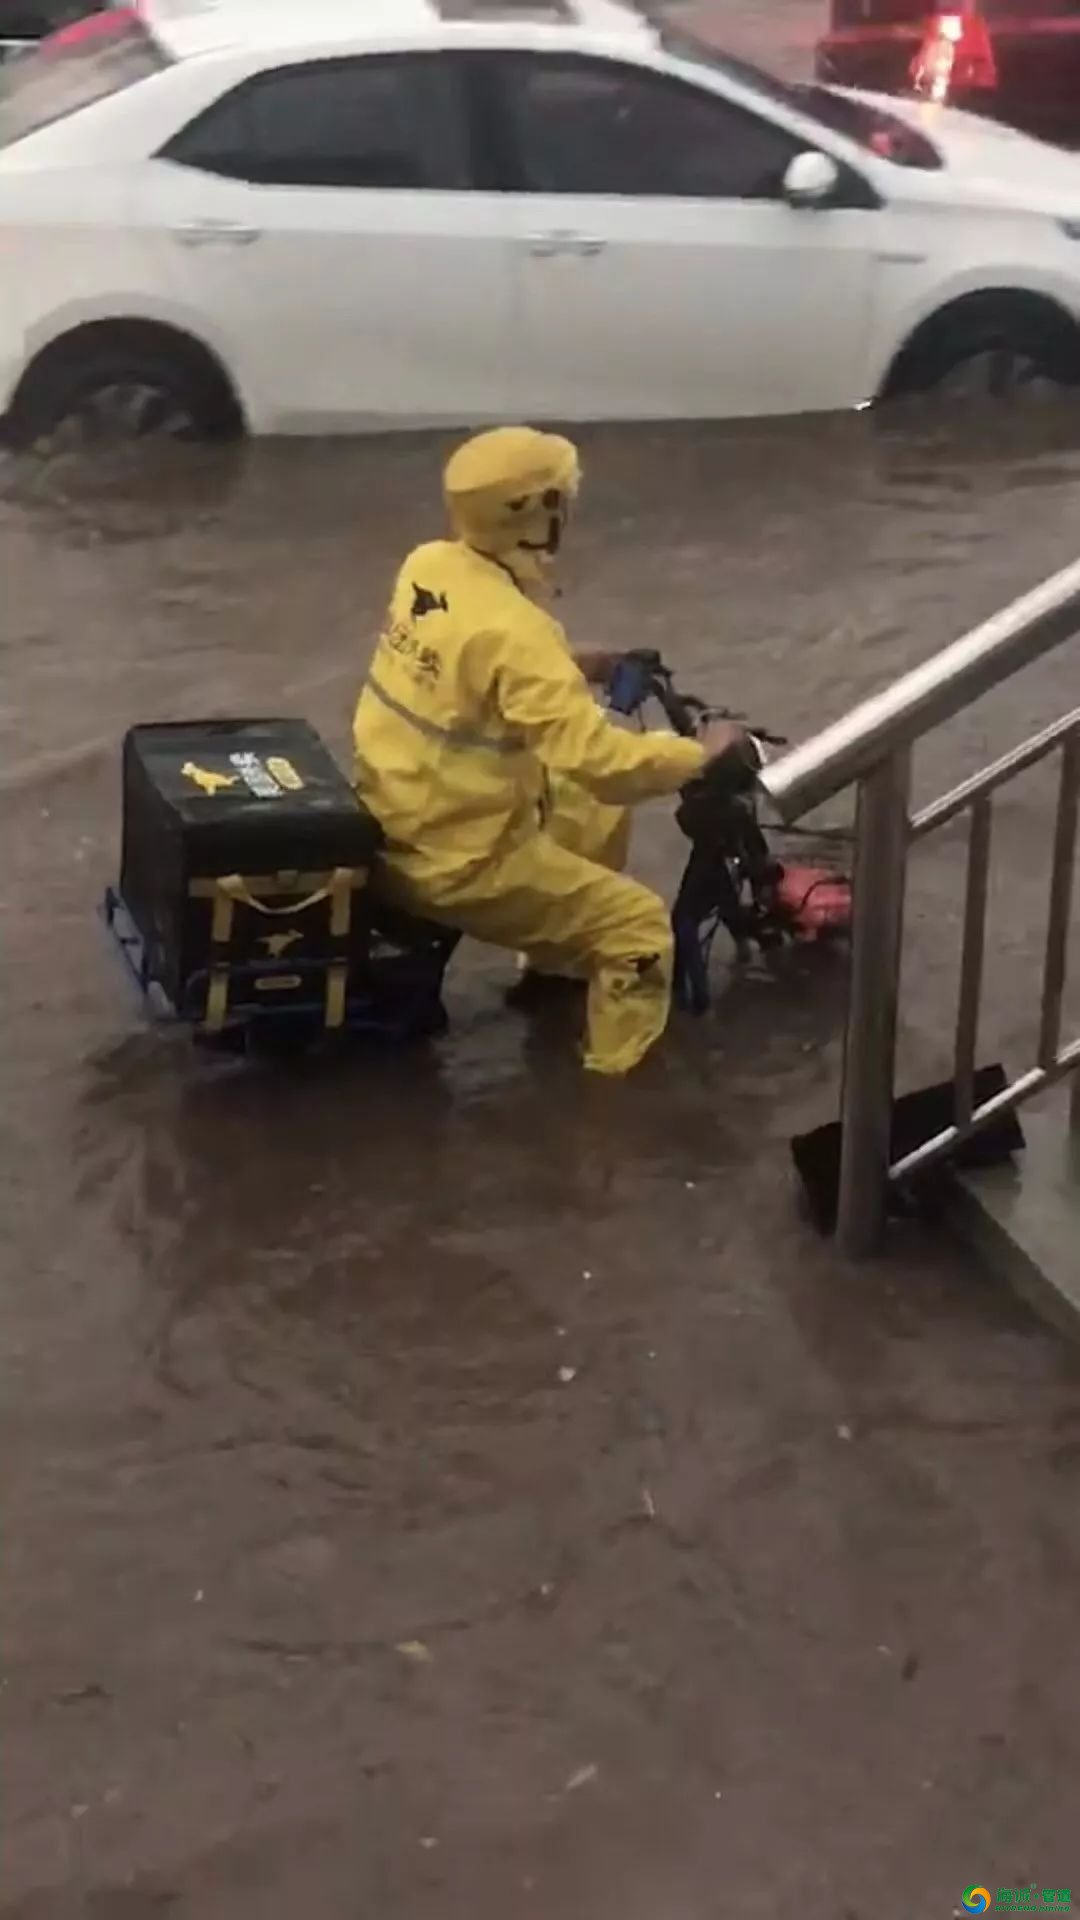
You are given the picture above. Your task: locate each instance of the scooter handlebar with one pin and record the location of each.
(642, 675)
(634, 680)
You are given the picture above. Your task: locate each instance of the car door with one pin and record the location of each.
(321, 220)
(660, 270)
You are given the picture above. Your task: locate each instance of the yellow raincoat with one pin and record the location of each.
(498, 782)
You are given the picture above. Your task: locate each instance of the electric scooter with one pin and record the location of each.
(732, 877)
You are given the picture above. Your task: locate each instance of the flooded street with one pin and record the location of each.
(439, 1489)
(433, 1489)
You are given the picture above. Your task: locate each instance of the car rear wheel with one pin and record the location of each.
(111, 392)
(1009, 351)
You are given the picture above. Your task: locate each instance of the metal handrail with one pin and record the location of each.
(940, 812)
(1054, 1060)
(872, 747)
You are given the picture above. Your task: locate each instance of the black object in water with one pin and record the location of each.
(915, 1118)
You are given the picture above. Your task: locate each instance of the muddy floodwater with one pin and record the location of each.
(437, 1490)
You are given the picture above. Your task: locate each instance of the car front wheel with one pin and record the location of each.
(996, 353)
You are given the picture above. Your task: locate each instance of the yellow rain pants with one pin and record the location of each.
(582, 824)
(574, 820)
(473, 713)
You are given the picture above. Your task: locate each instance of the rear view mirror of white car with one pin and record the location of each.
(810, 179)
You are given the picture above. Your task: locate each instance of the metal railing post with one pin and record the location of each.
(881, 849)
(1061, 890)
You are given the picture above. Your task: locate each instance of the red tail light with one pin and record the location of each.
(956, 53)
(94, 28)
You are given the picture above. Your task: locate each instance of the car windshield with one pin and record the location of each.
(81, 63)
(1017, 11)
(882, 133)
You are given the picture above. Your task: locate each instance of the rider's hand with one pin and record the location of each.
(596, 666)
(722, 737)
(732, 759)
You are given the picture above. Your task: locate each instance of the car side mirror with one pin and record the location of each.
(810, 179)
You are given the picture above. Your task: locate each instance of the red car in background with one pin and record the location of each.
(1015, 60)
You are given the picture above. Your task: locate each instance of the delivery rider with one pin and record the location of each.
(500, 783)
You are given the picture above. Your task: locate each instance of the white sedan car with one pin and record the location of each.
(297, 216)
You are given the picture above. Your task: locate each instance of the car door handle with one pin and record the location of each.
(545, 246)
(221, 233)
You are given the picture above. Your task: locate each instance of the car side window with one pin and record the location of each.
(590, 126)
(387, 122)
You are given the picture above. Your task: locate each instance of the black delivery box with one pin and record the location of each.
(244, 853)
